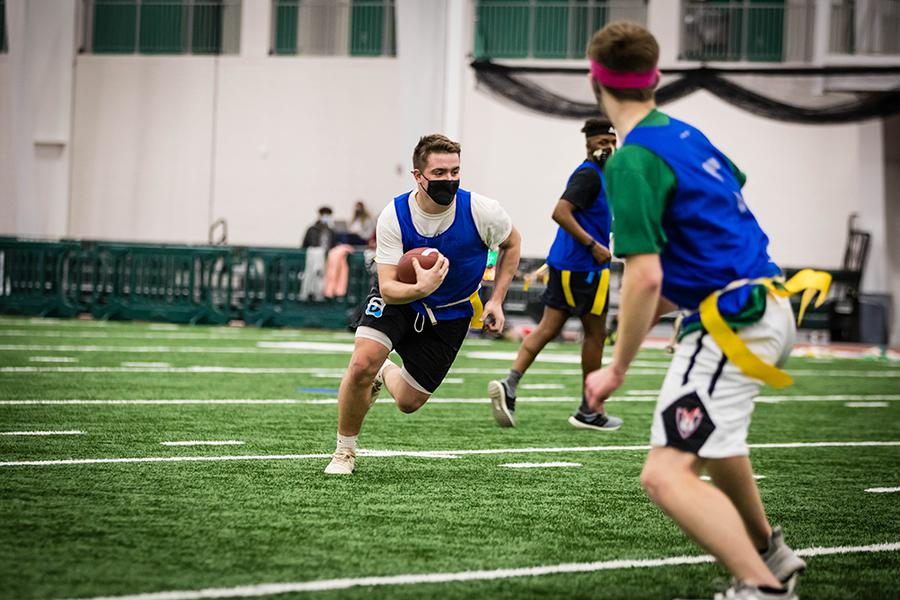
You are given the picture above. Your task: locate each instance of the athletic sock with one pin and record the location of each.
(347, 442)
(512, 381)
(585, 409)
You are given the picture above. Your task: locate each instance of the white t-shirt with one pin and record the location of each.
(491, 221)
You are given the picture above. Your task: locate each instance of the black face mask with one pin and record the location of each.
(442, 191)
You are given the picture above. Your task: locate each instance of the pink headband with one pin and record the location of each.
(620, 80)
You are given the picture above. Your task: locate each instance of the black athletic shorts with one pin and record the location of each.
(577, 292)
(427, 350)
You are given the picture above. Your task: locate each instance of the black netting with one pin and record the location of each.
(798, 95)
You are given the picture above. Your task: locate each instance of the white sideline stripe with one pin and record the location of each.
(412, 453)
(73, 432)
(540, 465)
(331, 400)
(150, 365)
(53, 359)
(270, 589)
(883, 490)
(453, 380)
(866, 404)
(263, 370)
(541, 386)
(203, 443)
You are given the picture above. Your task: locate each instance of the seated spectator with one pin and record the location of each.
(361, 228)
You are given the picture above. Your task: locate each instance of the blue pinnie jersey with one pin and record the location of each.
(567, 253)
(712, 237)
(462, 245)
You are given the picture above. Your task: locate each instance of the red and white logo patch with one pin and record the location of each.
(688, 420)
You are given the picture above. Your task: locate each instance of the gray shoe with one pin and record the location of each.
(598, 422)
(502, 403)
(780, 559)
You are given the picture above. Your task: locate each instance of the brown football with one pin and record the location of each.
(406, 272)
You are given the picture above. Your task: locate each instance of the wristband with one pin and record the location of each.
(590, 244)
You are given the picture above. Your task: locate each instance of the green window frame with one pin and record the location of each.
(370, 26)
(157, 26)
(752, 30)
(557, 29)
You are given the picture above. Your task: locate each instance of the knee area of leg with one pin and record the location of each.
(362, 366)
(655, 479)
(410, 404)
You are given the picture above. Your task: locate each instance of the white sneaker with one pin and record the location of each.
(745, 591)
(341, 462)
(780, 559)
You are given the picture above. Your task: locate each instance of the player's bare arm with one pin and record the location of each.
(641, 285)
(507, 264)
(564, 216)
(394, 291)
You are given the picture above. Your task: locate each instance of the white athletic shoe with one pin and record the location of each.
(745, 591)
(341, 462)
(780, 559)
(502, 403)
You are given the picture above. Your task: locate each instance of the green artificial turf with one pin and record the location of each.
(86, 530)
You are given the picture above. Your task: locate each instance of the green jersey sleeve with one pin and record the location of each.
(639, 185)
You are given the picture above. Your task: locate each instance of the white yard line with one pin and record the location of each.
(416, 453)
(203, 443)
(708, 478)
(883, 490)
(866, 404)
(73, 432)
(843, 374)
(53, 359)
(549, 465)
(271, 589)
(541, 386)
(147, 365)
(438, 400)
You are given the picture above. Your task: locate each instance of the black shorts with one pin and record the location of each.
(427, 350)
(577, 292)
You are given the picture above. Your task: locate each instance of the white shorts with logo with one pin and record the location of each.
(705, 403)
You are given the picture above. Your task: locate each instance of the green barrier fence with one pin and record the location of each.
(173, 283)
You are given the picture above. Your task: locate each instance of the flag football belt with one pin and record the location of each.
(599, 297)
(808, 281)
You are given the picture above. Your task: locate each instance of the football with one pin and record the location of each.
(406, 272)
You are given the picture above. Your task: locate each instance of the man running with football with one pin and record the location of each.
(424, 322)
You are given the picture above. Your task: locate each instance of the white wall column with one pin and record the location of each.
(455, 61)
(37, 135)
(256, 27)
(422, 57)
(664, 22)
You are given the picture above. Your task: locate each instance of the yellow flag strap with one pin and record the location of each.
(602, 292)
(566, 277)
(808, 281)
(478, 307)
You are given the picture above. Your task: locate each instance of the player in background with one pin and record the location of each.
(426, 321)
(689, 241)
(578, 282)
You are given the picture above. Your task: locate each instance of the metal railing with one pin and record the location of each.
(334, 28)
(865, 28)
(546, 28)
(169, 282)
(161, 26)
(741, 31)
